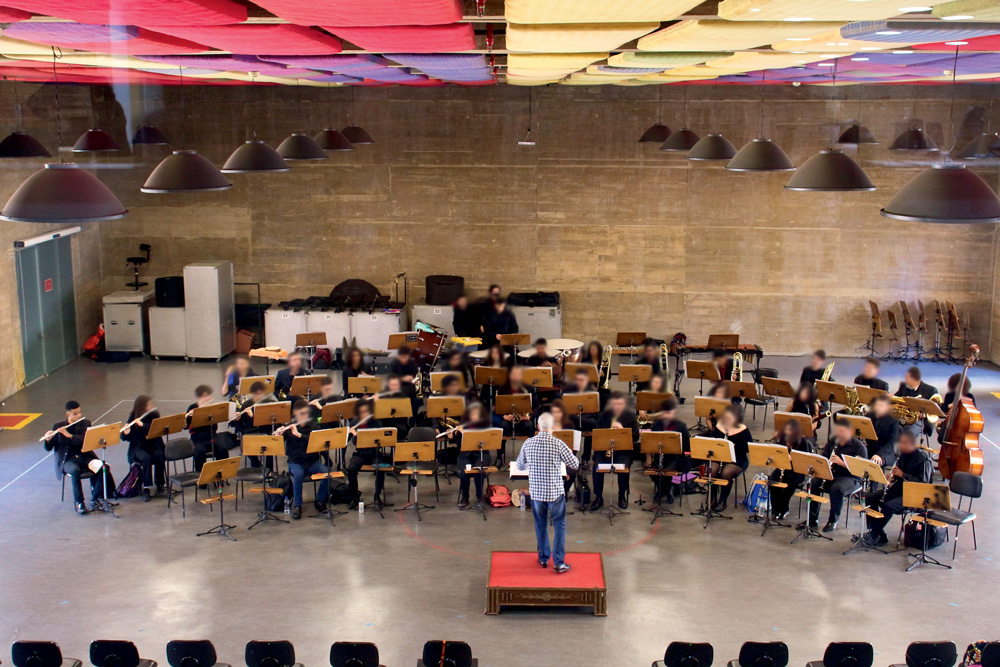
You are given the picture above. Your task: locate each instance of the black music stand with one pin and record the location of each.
(493, 378)
(921, 499)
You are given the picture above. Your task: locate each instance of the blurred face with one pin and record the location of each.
(363, 411)
(392, 384)
(451, 389)
(582, 381)
(74, 414)
(818, 363)
(844, 433)
(912, 381)
(327, 390)
(617, 405)
(302, 414)
(461, 302)
(668, 415)
(656, 384)
(242, 365)
(907, 445)
(258, 395)
(474, 414)
(881, 408)
(295, 363)
(500, 306)
(803, 395)
(495, 293)
(728, 419)
(789, 432)
(541, 350)
(557, 416)
(515, 375)
(869, 371)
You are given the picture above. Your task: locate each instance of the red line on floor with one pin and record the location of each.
(656, 526)
(435, 546)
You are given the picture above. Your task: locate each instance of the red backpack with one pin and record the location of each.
(498, 496)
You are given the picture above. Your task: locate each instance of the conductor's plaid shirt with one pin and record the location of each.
(541, 455)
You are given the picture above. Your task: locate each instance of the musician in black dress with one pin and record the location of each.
(354, 366)
(869, 375)
(66, 440)
(147, 452)
(804, 403)
(617, 415)
(666, 420)
(912, 465)
(792, 438)
(730, 427)
(843, 443)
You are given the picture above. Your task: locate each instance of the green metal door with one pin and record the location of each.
(47, 306)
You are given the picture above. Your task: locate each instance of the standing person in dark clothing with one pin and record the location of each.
(730, 427)
(466, 322)
(147, 452)
(203, 437)
(283, 380)
(888, 430)
(66, 439)
(667, 421)
(790, 437)
(912, 465)
(300, 461)
(814, 371)
(869, 375)
(499, 321)
(615, 416)
(843, 443)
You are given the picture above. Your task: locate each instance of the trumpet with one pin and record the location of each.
(737, 374)
(605, 367)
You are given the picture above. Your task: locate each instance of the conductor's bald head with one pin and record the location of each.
(545, 422)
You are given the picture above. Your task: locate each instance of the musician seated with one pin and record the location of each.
(364, 419)
(458, 362)
(66, 439)
(869, 375)
(913, 386)
(804, 403)
(650, 357)
(540, 357)
(657, 383)
(354, 365)
(843, 443)
(300, 461)
(234, 374)
(666, 420)
(243, 422)
(949, 397)
(283, 379)
(723, 361)
(394, 388)
(615, 416)
(912, 465)
(404, 365)
(475, 419)
(147, 452)
(791, 437)
(816, 368)
(887, 429)
(515, 424)
(326, 395)
(730, 427)
(203, 437)
(499, 320)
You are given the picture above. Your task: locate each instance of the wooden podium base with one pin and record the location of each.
(517, 580)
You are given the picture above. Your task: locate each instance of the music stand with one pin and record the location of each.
(743, 390)
(867, 394)
(587, 403)
(515, 340)
(325, 440)
(893, 337)
(811, 465)
(713, 450)
(773, 457)
(723, 341)
(606, 440)
(658, 444)
(306, 385)
(650, 401)
(309, 341)
(414, 453)
(876, 332)
(266, 380)
(831, 392)
(210, 415)
(493, 377)
(101, 437)
(272, 414)
(398, 340)
(628, 341)
(393, 408)
(702, 370)
(538, 377)
(706, 407)
(805, 422)
(868, 472)
(481, 440)
(162, 427)
(339, 411)
(379, 439)
(924, 406)
(364, 384)
(437, 378)
(922, 498)
(216, 473)
(777, 387)
(263, 446)
(592, 374)
(634, 374)
(862, 427)
(515, 405)
(446, 407)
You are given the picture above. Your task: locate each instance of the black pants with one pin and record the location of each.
(839, 488)
(622, 458)
(203, 447)
(75, 467)
(471, 458)
(153, 465)
(664, 486)
(781, 497)
(889, 508)
(366, 457)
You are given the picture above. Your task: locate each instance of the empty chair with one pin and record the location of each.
(964, 485)
(40, 654)
(192, 653)
(180, 449)
(354, 654)
(762, 654)
(846, 654)
(685, 654)
(271, 654)
(764, 400)
(440, 653)
(931, 654)
(116, 653)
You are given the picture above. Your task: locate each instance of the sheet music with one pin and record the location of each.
(523, 472)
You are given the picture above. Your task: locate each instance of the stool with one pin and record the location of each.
(136, 262)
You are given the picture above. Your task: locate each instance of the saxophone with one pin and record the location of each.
(828, 372)
(605, 368)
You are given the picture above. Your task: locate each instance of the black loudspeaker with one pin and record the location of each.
(170, 292)
(443, 290)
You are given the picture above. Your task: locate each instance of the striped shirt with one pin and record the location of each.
(541, 455)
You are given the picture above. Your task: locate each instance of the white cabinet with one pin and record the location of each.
(126, 327)
(167, 332)
(210, 310)
(281, 326)
(540, 322)
(438, 316)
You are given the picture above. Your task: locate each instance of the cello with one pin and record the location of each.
(960, 450)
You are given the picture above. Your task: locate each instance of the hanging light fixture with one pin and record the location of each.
(330, 139)
(683, 139)
(300, 146)
(857, 133)
(987, 145)
(947, 192)
(95, 140)
(62, 192)
(712, 146)
(761, 154)
(657, 132)
(185, 170)
(150, 136)
(528, 140)
(19, 144)
(254, 155)
(830, 170)
(913, 139)
(356, 135)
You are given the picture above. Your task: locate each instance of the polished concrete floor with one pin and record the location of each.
(397, 582)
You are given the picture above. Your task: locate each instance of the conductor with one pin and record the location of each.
(541, 455)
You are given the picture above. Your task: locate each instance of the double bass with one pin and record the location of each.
(960, 450)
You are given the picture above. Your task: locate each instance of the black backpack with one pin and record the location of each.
(275, 502)
(340, 493)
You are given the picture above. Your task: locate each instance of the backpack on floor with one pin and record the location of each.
(275, 502)
(498, 496)
(131, 486)
(323, 359)
(757, 500)
(340, 493)
(913, 535)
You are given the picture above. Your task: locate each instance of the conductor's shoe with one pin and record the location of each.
(297, 512)
(560, 569)
(543, 563)
(830, 527)
(81, 508)
(597, 504)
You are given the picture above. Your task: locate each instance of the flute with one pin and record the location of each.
(282, 429)
(49, 434)
(452, 430)
(136, 420)
(362, 421)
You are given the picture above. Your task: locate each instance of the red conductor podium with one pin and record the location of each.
(515, 580)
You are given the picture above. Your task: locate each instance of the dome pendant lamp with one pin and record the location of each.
(857, 134)
(19, 144)
(657, 132)
(95, 140)
(149, 136)
(987, 145)
(712, 146)
(683, 139)
(254, 155)
(356, 135)
(330, 139)
(761, 154)
(913, 139)
(62, 192)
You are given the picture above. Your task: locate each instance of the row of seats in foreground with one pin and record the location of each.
(439, 653)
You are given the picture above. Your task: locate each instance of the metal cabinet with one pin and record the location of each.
(167, 332)
(126, 324)
(210, 310)
(539, 322)
(438, 316)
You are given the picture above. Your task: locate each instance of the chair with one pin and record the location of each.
(846, 654)
(354, 654)
(180, 449)
(930, 654)
(40, 654)
(270, 654)
(86, 474)
(116, 653)
(442, 653)
(964, 485)
(425, 434)
(136, 262)
(684, 654)
(762, 654)
(764, 401)
(990, 656)
(192, 653)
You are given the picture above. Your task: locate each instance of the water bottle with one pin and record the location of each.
(361, 507)
(288, 506)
